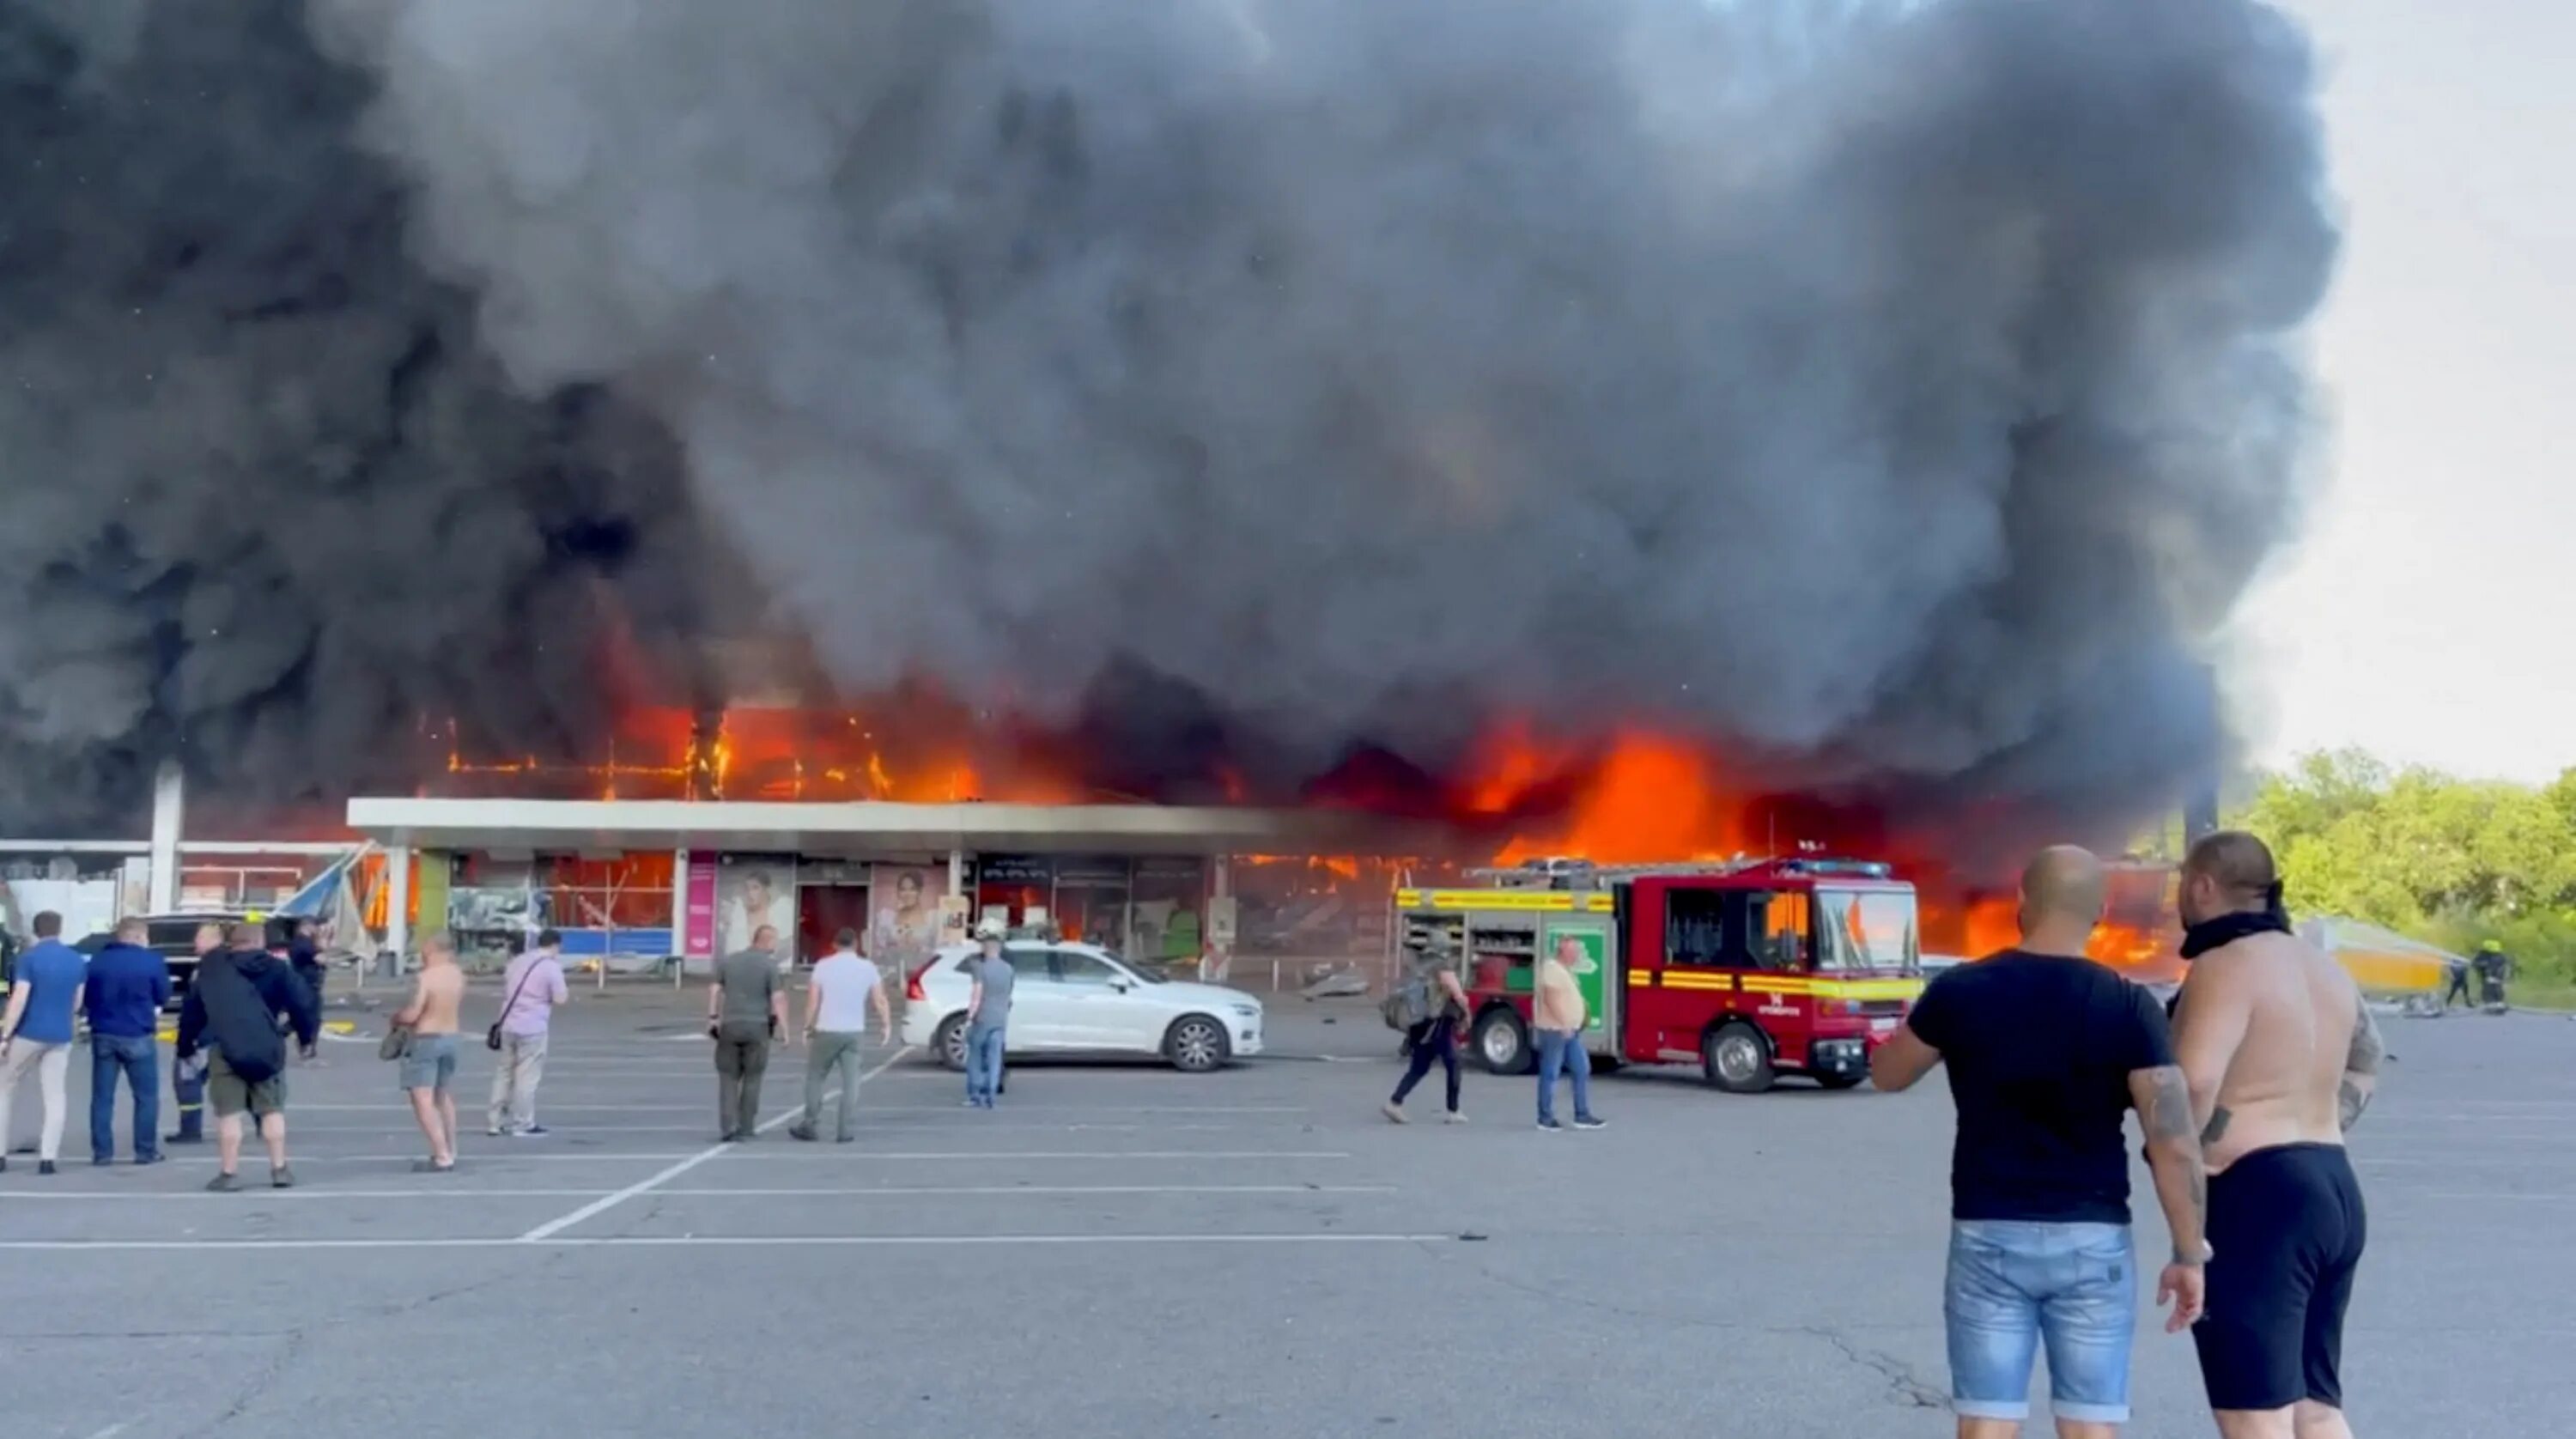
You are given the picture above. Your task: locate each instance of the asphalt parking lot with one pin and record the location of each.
(1128, 1250)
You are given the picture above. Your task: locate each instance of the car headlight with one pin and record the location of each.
(1248, 1011)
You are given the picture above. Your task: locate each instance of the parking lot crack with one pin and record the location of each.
(1907, 1388)
(266, 1379)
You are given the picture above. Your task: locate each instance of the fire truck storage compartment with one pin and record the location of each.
(1496, 958)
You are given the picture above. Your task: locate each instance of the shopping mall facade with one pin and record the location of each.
(641, 881)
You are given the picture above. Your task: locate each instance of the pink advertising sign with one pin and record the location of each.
(701, 909)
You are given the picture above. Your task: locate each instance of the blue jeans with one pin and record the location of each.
(983, 1065)
(138, 1058)
(1564, 1052)
(2014, 1284)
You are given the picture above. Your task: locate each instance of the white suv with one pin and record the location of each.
(1069, 998)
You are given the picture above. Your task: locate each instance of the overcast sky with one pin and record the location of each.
(2430, 614)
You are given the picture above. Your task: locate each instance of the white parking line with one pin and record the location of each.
(478, 1159)
(875, 1191)
(605, 1203)
(719, 1241)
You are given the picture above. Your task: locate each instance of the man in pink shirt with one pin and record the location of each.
(531, 988)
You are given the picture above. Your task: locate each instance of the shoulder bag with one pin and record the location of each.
(492, 1036)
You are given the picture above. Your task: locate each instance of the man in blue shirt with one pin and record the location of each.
(128, 985)
(36, 1034)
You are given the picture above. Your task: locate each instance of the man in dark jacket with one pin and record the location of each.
(304, 955)
(233, 1007)
(188, 1077)
(128, 985)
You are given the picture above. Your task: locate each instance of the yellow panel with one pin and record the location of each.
(1869, 988)
(2380, 970)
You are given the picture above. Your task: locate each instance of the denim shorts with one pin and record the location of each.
(2014, 1285)
(430, 1063)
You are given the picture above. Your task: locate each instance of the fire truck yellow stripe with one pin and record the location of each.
(1490, 899)
(1684, 979)
(1869, 988)
(1777, 984)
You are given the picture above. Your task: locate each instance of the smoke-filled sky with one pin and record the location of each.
(1899, 393)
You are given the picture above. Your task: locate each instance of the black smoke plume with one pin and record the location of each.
(1897, 393)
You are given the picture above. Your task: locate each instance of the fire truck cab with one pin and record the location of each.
(1749, 969)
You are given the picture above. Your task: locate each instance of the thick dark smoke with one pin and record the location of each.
(1900, 393)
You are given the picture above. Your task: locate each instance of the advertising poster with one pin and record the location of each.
(904, 914)
(754, 891)
(699, 919)
(955, 912)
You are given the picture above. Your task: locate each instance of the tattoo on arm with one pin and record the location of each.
(2361, 1066)
(2367, 1049)
(2216, 1129)
(2173, 1147)
(2168, 1113)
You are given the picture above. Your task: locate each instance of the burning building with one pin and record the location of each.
(1643, 425)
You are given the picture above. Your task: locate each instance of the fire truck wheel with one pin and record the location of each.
(950, 1042)
(1196, 1044)
(1737, 1059)
(1503, 1043)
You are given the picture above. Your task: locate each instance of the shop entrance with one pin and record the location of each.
(824, 910)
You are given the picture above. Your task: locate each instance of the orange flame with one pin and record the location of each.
(1649, 799)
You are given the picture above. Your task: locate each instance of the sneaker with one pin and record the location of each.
(224, 1183)
(101, 1161)
(44, 1166)
(1394, 1112)
(1551, 1126)
(845, 1139)
(1453, 1117)
(1586, 1121)
(494, 1131)
(4, 1164)
(281, 1178)
(803, 1134)
(533, 1131)
(153, 1158)
(432, 1166)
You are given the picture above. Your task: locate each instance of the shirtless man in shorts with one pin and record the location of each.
(429, 1068)
(2281, 1055)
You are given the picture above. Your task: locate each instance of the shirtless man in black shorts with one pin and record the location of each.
(2281, 1055)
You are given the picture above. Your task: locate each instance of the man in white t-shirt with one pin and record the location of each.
(837, 1000)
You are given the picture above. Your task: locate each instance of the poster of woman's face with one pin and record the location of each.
(754, 892)
(903, 923)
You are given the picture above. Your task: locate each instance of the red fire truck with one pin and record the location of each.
(1748, 969)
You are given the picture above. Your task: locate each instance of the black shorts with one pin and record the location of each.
(2286, 1230)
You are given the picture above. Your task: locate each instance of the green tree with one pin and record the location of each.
(2447, 860)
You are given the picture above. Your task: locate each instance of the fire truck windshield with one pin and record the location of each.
(1867, 931)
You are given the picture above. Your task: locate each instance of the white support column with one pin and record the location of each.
(679, 916)
(398, 902)
(169, 812)
(957, 874)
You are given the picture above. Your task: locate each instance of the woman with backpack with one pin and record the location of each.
(1435, 1005)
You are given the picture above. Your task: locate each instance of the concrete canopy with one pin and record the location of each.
(874, 828)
